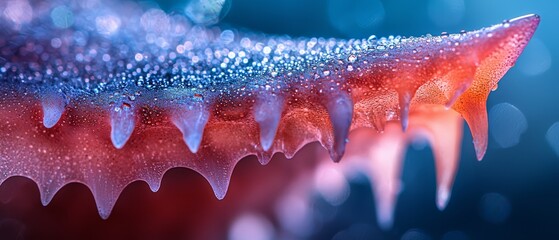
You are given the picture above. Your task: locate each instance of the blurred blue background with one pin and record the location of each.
(514, 192)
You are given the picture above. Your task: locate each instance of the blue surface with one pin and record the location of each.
(524, 178)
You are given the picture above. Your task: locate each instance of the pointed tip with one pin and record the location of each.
(335, 156)
(444, 130)
(265, 158)
(53, 107)
(193, 141)
(530, 21)
(218, 176)
(48, 187)
(385, 203)
(404, 104)
(443, 196)
(219, 188)
(474, 112)
(266, 142)
(191, 121)
(153, 184)
(404, 122)
(479, 133)
(154, 188)
(340, 110)
(122, 125)
(45, 200)
(104, 213)
(105, 205)
(384, 166)
(46, 196)
(385, 220)
(480, 152)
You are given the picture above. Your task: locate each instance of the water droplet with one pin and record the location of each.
(352, 58)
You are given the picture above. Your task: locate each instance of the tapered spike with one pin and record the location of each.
(444, 131)
(47, 190)
(474, 111)
(154, 183)
(122, 124)
(191, 121)
(218, 177)
(340, 110)
(267, 113)
(104, 193)
(53, 106)
(404, 100)
(384, 170)
(508, 43)
(264, 158)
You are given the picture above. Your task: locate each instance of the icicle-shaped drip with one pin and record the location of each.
(384, 169)
(340, 110)
(105, 193)
(267, 113)
(443, 130)
(122, 124)
(404, 99)
(191, 121)
(47, 190)
(53, 106)
(472, 108)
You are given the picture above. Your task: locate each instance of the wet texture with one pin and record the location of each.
(120, 102)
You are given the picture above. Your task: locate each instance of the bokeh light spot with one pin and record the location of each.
(62, 17)
(207, 12)
(18, 11)
(356, 18)
(536, 58)
(506, 124)
(446, 12)
(107, 25)
(227, 36)
(359, 231)
(332, 185)
(495, 208)
(251, 226)
(415, 234)
(455, 235)
(295, 215)
(155, 21)
(552, 137)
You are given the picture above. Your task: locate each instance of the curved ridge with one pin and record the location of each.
(372, 84)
